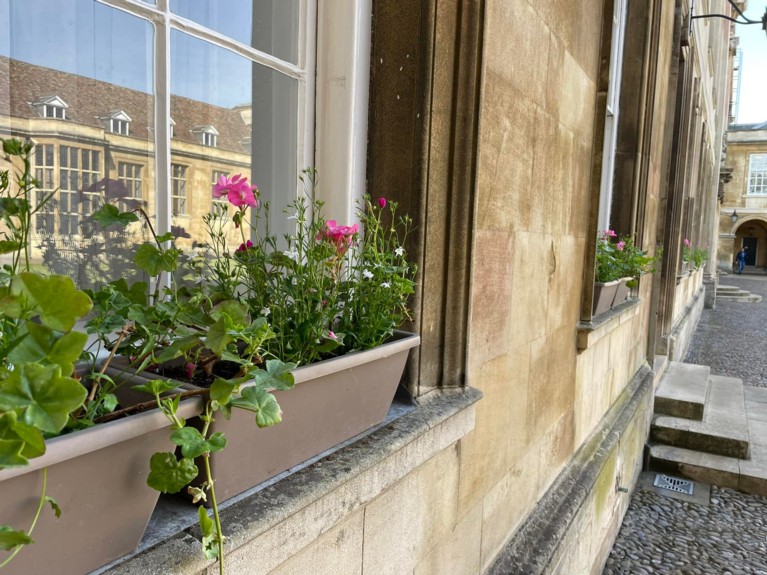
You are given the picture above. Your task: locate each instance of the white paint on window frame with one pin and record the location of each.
(756, 184)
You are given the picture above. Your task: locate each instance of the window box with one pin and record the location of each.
(604, 295)
(333, 401)
(98, 478)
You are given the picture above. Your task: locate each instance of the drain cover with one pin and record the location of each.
(674, 484)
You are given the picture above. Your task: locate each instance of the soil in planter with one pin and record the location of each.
(222, 369)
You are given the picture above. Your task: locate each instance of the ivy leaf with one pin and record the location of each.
(278, 375)
(13, 431)
(44, 396)
(166, 237)
(262, 403)
(209, 536)
(57, 300)
(136, 293)
(153, 260)
(10, 453)
(193, 444)
(108, 215)
(10, 538)
(168, 474)
(156, 386)
(67, 350)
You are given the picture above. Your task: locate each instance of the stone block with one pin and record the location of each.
(488, 452)
(408, 520)
(336, 552)
(507, 504)
(459, 552)
(491, 299)
(529, 295)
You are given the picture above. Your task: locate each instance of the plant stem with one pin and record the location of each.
(146, 405)
(34, 521)
(216, 518)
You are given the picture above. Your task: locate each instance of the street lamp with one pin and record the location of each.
(745, 20)
(734, 217)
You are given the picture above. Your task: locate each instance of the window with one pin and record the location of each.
(178, 193)
(79, 173)
(206, 135)
(51, 107)
(612, 113)
(213, 181)
(119, 127)
(50, 111)
(46, 183)
(130, 176)
(757, 174)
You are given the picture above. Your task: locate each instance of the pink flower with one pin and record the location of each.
(237, 190)
(189, 368)
(331, 335)
(620, 246)
(381, 202)
(341, 236)
(245, 247)
(611, 233)
(686, 243)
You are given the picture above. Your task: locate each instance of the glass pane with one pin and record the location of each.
(253, 110)
(268, 25)
(88, 61)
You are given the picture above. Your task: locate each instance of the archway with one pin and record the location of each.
(751, 233)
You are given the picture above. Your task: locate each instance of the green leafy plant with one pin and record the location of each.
(40, 393)
(326, 288)
(696, 257)
(201, 333)
(622, 259)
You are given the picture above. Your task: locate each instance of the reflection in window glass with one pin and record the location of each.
(270, 26)
(251, 110)
(63, 80)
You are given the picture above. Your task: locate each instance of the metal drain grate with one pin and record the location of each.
(674, 484)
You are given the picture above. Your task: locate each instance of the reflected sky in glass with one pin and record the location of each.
(268, 25)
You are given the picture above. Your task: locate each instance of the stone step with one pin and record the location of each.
(682, 391)
(746, 298)
(721, 288)
(723, 430)
(744, 475)
(727, 292)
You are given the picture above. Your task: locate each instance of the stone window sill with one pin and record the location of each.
(308, 501)
(590, 332)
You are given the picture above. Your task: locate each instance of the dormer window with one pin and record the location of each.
(206, 135)
(51, 107)
(117, 122)
(172, 127)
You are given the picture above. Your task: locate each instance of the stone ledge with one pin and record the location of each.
(280, 520)
(535, 546)
(590, 332)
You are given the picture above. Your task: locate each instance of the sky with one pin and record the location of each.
(753, 88)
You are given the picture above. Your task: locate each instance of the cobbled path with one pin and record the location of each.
(664, 536)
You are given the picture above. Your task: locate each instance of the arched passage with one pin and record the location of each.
(751, 233)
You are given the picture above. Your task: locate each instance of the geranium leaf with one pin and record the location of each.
(108, 215)
(209, 536)
(262, 403)
(277, 375)
(221, 391)
(237, 312)
(9, 246)
(12, 430)
(153, 260)
(168, 474)
(10, 453)
(44, 397)
(10, 538)
(218, 336)
(54, 505)
(57, 300)
(156, 386)
(178, 348)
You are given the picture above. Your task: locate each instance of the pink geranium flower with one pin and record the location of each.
(381, 202)
(686, 243)
(341, 236)
(245, 247)
(237, 190)
(620, 246)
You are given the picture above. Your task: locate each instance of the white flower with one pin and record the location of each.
(292, 254)
(385, 285)
(294, 281)
(399, 251)
(265, 311)
(367, 274)
(294, 217)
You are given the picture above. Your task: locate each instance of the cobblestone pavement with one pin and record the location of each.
(664, 536)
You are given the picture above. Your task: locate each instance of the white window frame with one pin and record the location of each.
(130, 174)
(756, 184)
(118, 126)
(56, 112)
(179, 194)
(334, 140)
(612, 113)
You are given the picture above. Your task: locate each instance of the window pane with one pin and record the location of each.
(252, 108)
(96, 60)
(268, 25)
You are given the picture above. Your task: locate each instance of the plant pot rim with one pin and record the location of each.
(84, 441)
(608, 284)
